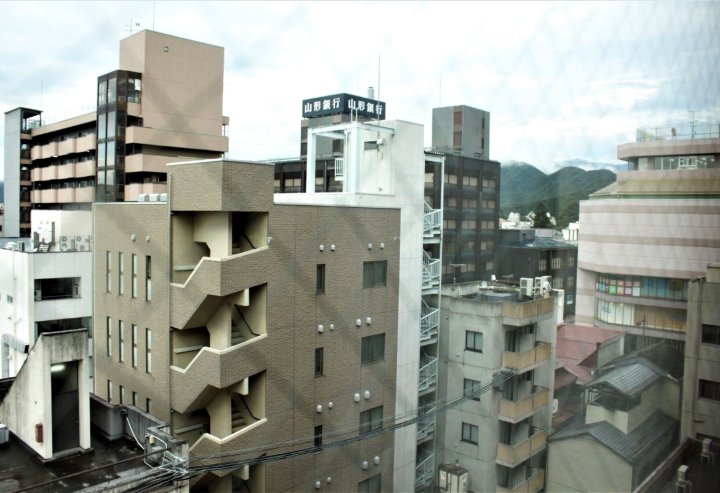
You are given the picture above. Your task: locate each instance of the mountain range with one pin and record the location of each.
(523, 187)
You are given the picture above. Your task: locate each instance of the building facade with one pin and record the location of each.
(644, 237)
(164, 103)
(701, 392)
(499, 433)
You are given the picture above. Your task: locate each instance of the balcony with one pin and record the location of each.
(425, 468)
(85, 168)
(37, 196)
(516, 411)
(85, 194)
(35, 174)
(48, 196)
(66, 195)
(430, 273)
(86, 143)
(513, 455)
(68, 146)
(427, 377)
(529, 359)
(429, 322)
(49, 150)
(432, 224)
(66, 171)
(49, 173)
(426, 425)
(531, 485)
(36, 152)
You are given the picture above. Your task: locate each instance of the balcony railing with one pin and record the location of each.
(426, 424)
(512, 455)
(432, 222)
(425, 469)
(429, 321)
(526, 359)
(430, 271)
(531, 485)
(516, 411)
(428, 372)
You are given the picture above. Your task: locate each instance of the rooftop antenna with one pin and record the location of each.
(131, 27)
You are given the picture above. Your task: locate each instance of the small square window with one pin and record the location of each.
(471, 389)
(372, 349)
(371, 419)
(470, 433)
(473, 341)
(374, 274)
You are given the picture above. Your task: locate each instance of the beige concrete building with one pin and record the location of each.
(644, 237)
(701, 392)
(499, 434)
(164, 103)
(275, 329)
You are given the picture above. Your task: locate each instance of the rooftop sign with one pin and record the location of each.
(343, 103)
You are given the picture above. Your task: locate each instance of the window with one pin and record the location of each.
(148, 406)
(134, 345)
(318, 436)
(134, 398)
(571, 261)
(148, 351)
(570, 281)
(709, 390)
(449, 224)
(108, 271)
(134, 275)
(473, 341)
(556, 263)
(557, 282)
(109, 390)
(429, 177)
(373, 349)
(469, 433)
(471, 389)
(108, 339)
(320, 278)
(121, 273)
(374, 273)
(122, 394)
(319, 361)
(542, 264)
(469, 224)
(451, 179)
(710, 334)
(489, 266)
(148, 278)
(451, 202)
(372, 484)
(371, 419)
(121, 339)
(569, 300)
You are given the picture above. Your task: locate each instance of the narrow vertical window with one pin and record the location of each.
(122, 394)
(319, 361)
(109, 390)
(108, 271)
(148, 406)
(108, 321)
(320, 278)
(318, 436)
(134, 398)
(121, 273)
(121, 341)
(148, 350)
(134, 276)
(148, 278)
(134, 345)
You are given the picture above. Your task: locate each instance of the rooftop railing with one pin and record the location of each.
(679, 131)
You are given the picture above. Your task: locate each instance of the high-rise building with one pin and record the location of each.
(164, 103)
(275, 327)
(645, 236)
(461, 130)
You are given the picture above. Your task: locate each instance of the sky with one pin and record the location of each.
(561, 80)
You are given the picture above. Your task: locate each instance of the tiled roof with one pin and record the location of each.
(630, 380)
(632, 446)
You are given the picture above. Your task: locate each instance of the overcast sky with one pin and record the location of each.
(562, 80)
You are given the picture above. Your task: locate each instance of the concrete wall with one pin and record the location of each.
(23, 414)
(13, 124)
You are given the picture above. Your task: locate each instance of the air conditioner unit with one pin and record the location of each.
(64, 247)
(453, 479)
(526, 286)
